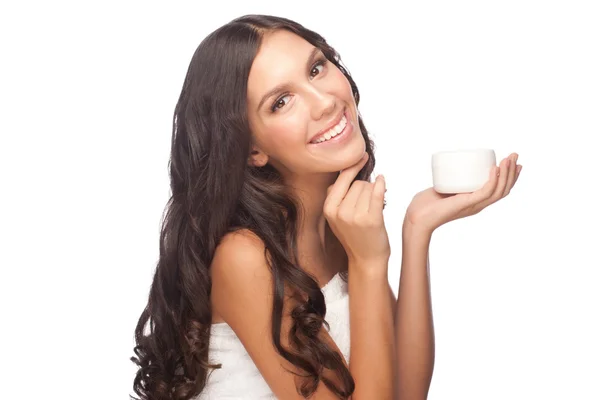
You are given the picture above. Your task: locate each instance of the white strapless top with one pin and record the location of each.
(238, 378)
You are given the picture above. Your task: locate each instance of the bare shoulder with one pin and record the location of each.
(239, 260)
(240, 244)
(239, 264)
(242, 295)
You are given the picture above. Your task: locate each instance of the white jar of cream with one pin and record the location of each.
(461, 171)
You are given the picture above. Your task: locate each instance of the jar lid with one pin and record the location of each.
(466, 156)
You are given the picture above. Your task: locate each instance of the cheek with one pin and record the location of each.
(342, 86)
(286, 133)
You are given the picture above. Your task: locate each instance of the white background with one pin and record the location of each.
(88, 90)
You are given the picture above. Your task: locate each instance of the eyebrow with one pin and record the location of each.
(283, 87)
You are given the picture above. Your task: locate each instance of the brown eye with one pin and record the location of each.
(279, 103)
(318, 67)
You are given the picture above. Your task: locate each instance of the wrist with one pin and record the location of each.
(416, 232)
(368, 269)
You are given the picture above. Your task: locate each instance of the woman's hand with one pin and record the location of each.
(355, 215)
(430, 210)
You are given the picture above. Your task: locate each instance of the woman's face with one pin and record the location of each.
(295, 94)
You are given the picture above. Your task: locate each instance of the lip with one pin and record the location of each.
(340, 137)
(336, 121)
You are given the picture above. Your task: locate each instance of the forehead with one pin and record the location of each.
(282, 54)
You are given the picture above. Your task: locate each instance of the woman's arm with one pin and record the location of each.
(371, 332)
(415, 342)
(241, 287)
(354, 212)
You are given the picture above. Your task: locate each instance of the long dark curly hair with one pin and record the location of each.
(214, 192)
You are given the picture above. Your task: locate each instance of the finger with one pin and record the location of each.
(484, 193)
(377, 196)
(463, 201)
(502, 180)
(519, 168)
(496, 197)
(349, 203)
(511, 174)
(338, 190)
(363, 201)
(499, 190)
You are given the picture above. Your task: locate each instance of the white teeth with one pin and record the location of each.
(333, 132)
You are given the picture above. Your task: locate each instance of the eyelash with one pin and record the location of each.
(320, 62)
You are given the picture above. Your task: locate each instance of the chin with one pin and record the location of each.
(347, 156)
(354, 157)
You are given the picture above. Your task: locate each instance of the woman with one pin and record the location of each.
(272, 222)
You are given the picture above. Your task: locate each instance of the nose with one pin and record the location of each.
(323, 104)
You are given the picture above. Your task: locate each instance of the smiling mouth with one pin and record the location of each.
(332, 132)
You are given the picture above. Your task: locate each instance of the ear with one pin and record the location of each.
(257, 158)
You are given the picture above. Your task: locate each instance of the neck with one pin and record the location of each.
(316, 241)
